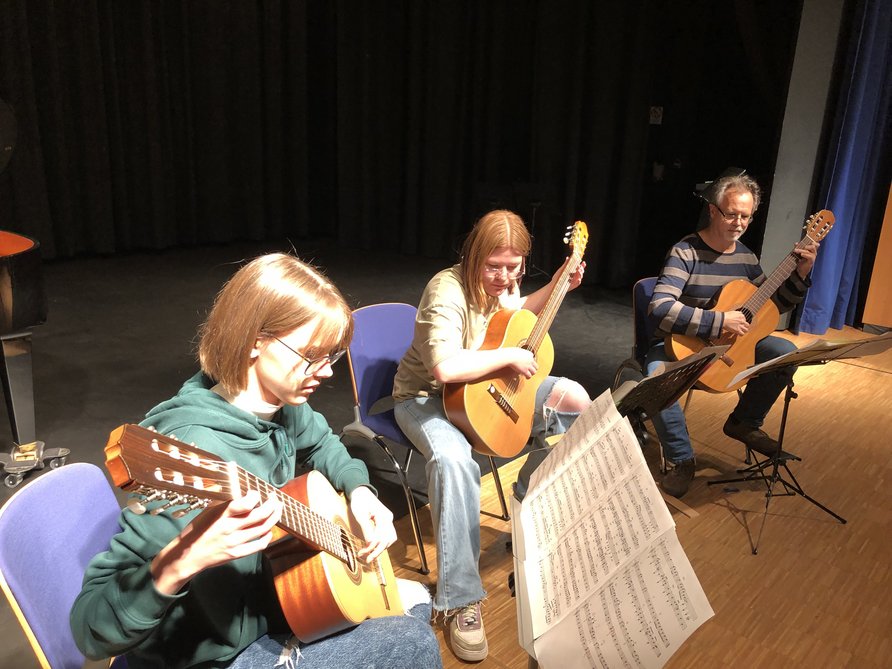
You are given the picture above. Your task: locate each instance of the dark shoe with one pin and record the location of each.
(753, 437)
(678, 479)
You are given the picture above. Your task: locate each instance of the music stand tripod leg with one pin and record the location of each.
(756, 472)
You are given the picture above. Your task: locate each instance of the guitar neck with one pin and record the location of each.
(774, 281)
(552, 304)
(299, 519)
(145, 462)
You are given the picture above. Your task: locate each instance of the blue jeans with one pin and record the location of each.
(755, 402)
(453, 486)
(395, 642)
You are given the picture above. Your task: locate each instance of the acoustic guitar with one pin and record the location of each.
(495, 413)
(321, 584)
(760, 312)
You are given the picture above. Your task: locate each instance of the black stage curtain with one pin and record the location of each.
(381, 124)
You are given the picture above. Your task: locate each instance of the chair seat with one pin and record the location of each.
(384, 424)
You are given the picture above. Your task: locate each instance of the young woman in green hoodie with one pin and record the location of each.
(196, 591)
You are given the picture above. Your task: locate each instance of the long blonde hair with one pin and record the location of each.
(271, 295)
(497, 229)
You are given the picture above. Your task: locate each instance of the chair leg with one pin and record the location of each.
(410, 500)
(498, 483)
(688, 399)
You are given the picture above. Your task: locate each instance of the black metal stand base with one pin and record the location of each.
(774, 470)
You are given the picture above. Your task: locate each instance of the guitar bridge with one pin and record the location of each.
(502, 403)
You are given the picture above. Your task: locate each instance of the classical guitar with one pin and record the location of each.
(496, 413)
(760, 312)
(321, 584)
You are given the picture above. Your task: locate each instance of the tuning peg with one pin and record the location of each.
(142, 496)
(135, 505)
(196, 504)
(176, 500)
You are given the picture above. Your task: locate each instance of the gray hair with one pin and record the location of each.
(737, 183)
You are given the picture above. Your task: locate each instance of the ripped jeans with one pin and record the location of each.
(453, 487)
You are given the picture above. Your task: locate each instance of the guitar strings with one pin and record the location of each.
(543, 323)
(323, 532)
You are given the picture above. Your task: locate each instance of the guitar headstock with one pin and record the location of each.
(148, 463)
(818, 225)
(576, 238)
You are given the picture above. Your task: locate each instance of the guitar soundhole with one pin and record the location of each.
(351, 563)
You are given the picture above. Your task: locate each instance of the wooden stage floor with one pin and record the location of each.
(817, 594)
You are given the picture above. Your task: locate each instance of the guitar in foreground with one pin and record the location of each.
(496, 413)
(760, 312)
(321, 584)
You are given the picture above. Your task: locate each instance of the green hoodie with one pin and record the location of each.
(224, 609)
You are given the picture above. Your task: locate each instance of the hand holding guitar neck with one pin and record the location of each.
(806, 254)
(219, 534)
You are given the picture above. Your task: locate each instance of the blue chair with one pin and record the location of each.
(49, 531)
(644, 329)
(382, 334)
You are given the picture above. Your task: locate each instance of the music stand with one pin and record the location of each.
(654, 393)
(818, 352)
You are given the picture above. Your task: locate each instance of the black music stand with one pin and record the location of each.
(652, 394)
(774, 469)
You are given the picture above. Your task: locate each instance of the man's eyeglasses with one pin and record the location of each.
(315, 364)
(730, 218)
(511, 274)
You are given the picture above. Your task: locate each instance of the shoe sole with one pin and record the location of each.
(470, 655)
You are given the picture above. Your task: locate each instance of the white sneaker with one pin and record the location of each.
(466, 634)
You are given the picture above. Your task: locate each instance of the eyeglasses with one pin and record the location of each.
(743, 218)
(511, 274)
(315, 364)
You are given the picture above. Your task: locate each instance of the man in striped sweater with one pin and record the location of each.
(695, 270)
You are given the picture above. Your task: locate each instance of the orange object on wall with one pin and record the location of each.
(878, 308)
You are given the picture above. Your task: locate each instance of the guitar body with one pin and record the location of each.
(320, 594)
(496, 413)
(742, 353)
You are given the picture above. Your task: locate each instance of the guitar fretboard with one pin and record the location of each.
(817, 228)
(579, 237)
(301, 520)
(155, 462)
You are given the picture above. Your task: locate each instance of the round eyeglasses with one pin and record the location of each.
(730, 218)
(510, 273)
(315, 364)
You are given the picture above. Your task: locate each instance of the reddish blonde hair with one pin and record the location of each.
(497, 229)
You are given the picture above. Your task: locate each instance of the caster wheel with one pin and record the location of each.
(12, 480)
(55, 463)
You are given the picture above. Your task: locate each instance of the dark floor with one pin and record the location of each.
(120, 331)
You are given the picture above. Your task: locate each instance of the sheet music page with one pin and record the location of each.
(597, 553)
(820, 349)
(637, 619)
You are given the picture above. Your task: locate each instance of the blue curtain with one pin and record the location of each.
(857, 168)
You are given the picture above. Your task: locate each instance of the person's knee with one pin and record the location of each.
(450, 460)
(568, 396)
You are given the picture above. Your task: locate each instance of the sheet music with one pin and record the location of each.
(601, 578)
(822, 350)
